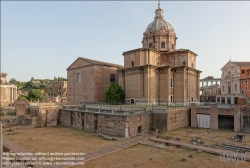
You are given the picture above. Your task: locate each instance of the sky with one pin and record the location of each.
(41, 39)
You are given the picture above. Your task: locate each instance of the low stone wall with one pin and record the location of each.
(159, 121)
(64, 116)
(112, 125)
(134, 122)
(177, 118)
(106, 123)
(27, 120)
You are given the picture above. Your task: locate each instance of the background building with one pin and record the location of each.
(211, 88)
(8, 91)
(56, 90)
(234, 74)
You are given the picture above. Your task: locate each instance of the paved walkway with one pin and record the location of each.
(197, 147)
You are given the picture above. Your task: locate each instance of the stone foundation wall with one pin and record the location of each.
(27, 120)
(77, 119)
(112, 125)
(177, 118)
(159, 121)
(139, 120)
(64, 117)
(89, 122)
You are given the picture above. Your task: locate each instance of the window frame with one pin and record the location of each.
(79, 77)
(163, 43)
(112, 78)
(132, 63)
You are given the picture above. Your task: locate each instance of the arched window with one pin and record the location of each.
(112, 78)
(79, 77)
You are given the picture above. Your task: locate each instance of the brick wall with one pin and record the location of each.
(65, 117)
(112, 125)
(177, 118)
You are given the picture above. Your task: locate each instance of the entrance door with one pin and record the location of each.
(203, 120)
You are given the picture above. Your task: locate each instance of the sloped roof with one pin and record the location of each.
(95, 62)
(180, 50)
(241, 63)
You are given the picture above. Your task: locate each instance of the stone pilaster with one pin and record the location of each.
(237, 118)
(193, 115)
(213, 116)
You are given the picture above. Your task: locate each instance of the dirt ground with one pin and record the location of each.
(141, 156)
(63, 139)
(208, 136)
(57, 139)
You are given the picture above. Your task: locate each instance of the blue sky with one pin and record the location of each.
(41, 39)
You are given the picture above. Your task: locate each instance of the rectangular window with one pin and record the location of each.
(246, 81)
(162, 44)
(112, 78)
(171, 83)
(246, 88)
(132, 63)
(150, 45)
(229, 90)
(242, 91)
(171, 99)
(242, 82)
(242, 71)
(79, 77)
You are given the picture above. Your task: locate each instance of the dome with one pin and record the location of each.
(159, 21)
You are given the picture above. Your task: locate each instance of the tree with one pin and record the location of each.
(23, 97)
(35, 94)
(12, 81)
(28, 85)
(114, 94)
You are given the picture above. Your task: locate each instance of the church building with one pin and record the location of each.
(157, 73)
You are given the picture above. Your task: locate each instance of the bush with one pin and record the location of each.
(23, 97)
(114, 94)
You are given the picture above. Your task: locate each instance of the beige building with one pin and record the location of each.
(8, 91)
(87, 80)
(158, 72)
(231, 82)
